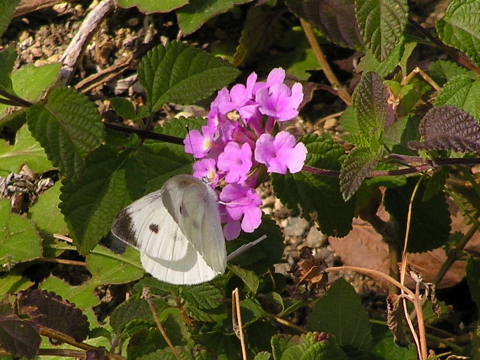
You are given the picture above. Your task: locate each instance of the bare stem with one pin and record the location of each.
(322, 60)
(144, 133)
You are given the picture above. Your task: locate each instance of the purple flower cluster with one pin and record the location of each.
(240, 139)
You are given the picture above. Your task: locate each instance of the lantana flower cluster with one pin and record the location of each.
(241, 140)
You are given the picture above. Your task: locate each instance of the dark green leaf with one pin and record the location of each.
(370, 101)
(473, 279)
(46, 213)
(19, 240)
(133, 309)
(181, 126)
(252, 311)
(460, 29)
(123, 107)
(305, 347)
(7, 60)
(26, 150)
(204, 296)
(7, 9)
(198, 12)
(12, 282)
(442, 71)
(258, 33)
(428, 229)
(19, 337)
(152, 6)
(248, 277)
(385, 67)
(335, 18)
(90, 204)
(341, 313)
(381, 23)
(461, 91)
(263, 356)
(182, 74)
(68, 126)
(358, 165)
(318, 195)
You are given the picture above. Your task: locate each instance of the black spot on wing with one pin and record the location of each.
(153, 228)
(123, 228)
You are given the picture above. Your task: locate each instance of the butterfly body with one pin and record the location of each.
(177, 230)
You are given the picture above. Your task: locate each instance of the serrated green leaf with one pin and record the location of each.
(133, 309)
(340, 312)
(7, 60)
(30, 83)
(461, 91)
(258, 33)
(182, 74)
(83, 296)
(428, 229)
(318, 196)
(26, 150)
(252, 311)
(46, 213)
(459, 27)
(305, 347)
(370, 101)
(381, 23)
(248, 277)
(110, 182)
(385, 67)
(19, 240)
(358, 165)
(161, 161)
(11, 282)
(218, 315)
(68, 126)
(180, 127)
(442, 71)
(153, 6)
(384, 348)
(198, 12)
(203, 296)
(473, 279)
(7, 9)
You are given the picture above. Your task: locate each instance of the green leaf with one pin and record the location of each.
(381, 23)
(30, 83)
(26, 150)
(19, 240)
(203, 296)
(248, 277)
(12, 282)
(68, 126)
(133, 309)
(110, 182)
(258, 33)
(385, 348)
(385, 67)
(7, 9)
(358, 165)
(442, 71)
(123, 107)
(263, 355)
(161, 161)
(182, 74)
(198, 12)
(305, 347)
(317, 195)
(152, 6)
(340, 312)
(46, 213)
(7, 61)
(370, 101)
(428, 229)
(252, 311)
(473, 279)
(459, 27)
(180, 126)
(461, 91)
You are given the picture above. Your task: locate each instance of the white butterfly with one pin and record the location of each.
(177, 230)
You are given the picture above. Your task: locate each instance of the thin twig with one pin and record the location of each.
(63, 353)
(153, 310)
(424, 75)
(145, 134)
(322, 60)
(75, 49)
(63, 261)
(53, 334)
(237, 322)
(288, 324)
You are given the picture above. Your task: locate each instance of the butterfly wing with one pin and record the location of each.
(156, 226)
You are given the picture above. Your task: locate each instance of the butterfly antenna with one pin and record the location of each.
(245, 247)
